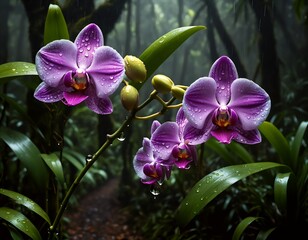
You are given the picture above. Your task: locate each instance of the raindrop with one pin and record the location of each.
(88, 48)
(154, 190)
(81, 50)
(121, 138)
(198, 190)
(86, 55)
(89, 158)
(60, 54)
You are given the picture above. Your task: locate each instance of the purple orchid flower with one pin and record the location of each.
(225, 106)
(148, 166)
(175, 141)
(83, 70)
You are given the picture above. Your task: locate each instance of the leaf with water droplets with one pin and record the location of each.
(213, 184)
(16, 69)
(55, 165)
(20, 221)
(25, 201)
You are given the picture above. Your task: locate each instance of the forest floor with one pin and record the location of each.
(100, 216)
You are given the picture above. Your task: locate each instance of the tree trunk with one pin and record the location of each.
(267, 51)
(225, 38)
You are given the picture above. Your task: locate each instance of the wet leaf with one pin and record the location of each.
(25, 201)
(163, 47)
(55, 165)
(20, 221)
(210, 186)
(28, 154)
(16, 69)
(240, 228)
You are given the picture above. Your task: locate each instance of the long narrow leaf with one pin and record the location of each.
(55, 165)
(296, 144)
(20, 221)
(277, 140)
(27, 153)
(242, 226)
(16, 69)
(263, 235)
(284, 182)
(163, 47)
(55, 25)
(25, 201)
(213, 184)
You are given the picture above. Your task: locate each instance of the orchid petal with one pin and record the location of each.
(224, 135)
(224, 72)
(248, 137)
(74, 98)
(107, 70)
(155, 125)
(87, 41)
(165, 138)
(197, 136)
(143, 156)
(99, 105)
(181, 120)
(47, 94)
(200, 101)
(250, 102)
(54, 60)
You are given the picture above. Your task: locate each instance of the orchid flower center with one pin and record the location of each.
(222, 117)
(80, 80)
(151, 171)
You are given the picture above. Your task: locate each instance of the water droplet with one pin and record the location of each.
(86, 55)
(80, 50)
(186, 203)
(89, 158)
(60, 54)
(154, 190)
(121, 138)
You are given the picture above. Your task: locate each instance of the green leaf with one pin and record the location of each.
(221, 150)
(296, 144)
(242, 226)
(27, 153)
(277, 140)
(20, 221)
(55, 25)
(213, 184)
(240, 151)
(263, 235)
(55, 165)
(284, 183)
(16, 69)
(163, 47)
(25, 201)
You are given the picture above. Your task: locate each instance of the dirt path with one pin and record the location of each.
(100, 216)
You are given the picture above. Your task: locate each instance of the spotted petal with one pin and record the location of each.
(144, 156)
(107, 70)
(47, 94)
(164, 138)
(251, 103)
(87, 41)
(99, 105)
(200, 101)
(224, 72)
(54, 60)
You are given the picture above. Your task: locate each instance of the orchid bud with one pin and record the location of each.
(135, 69)
(162, 83)
(177, 92)
(129, 97)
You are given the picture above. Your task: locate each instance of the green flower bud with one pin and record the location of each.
(129, 97)
(177, 92)
(162, 83)
(135, 69)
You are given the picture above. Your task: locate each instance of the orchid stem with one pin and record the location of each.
(90, 162)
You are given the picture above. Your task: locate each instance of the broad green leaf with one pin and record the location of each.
(277, 140)
(296, 144)
(213, 184)
(20, 221)
(15, 234)
(284, 183)
(55, 25)
(55, 165)
(25, 201)
(27, 153)
(16, 69)
(163, 47)
(242, 226)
